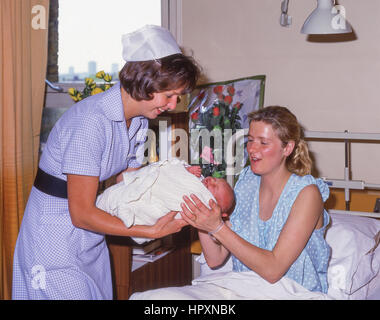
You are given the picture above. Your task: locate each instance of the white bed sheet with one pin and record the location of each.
(233, 286)
(228, 285)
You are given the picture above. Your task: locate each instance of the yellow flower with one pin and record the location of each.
(72, 91)
(108, 78)
(88, 81)
(91, 87)
(100, 74)
(96, 91)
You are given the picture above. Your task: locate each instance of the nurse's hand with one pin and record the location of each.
(167, 225)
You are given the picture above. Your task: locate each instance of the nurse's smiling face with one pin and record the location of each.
(161, 102)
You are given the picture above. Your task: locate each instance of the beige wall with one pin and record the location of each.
(329, 86)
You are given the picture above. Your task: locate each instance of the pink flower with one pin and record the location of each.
(207, 155)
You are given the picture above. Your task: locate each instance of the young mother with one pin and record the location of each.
(279, 221)
(61, 251)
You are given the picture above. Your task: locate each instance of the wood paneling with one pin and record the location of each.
(360, 200)
(174, 269)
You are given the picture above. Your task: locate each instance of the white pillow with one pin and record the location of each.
(352, 266)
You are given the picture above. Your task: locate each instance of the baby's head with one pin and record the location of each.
(222, 191)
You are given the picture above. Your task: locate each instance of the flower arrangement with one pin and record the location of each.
(221, 115)
(91, 87)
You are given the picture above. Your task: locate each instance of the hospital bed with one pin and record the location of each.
(354, 267)
(354, 236)
(353, 272)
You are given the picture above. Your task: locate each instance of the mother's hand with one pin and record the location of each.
(197, 214)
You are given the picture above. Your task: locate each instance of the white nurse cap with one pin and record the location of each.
(149, 43)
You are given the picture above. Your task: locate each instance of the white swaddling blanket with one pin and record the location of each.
(149, 193)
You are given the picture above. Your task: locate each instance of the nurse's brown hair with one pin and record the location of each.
(143, 78)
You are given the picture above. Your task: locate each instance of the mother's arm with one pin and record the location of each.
(306, 214)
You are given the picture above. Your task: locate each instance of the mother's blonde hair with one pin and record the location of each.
(287, 128)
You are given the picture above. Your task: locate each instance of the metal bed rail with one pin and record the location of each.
(347, 184)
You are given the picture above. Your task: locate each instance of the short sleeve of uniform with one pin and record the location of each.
(82, 145)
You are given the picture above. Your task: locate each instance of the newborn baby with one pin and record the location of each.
(149, 193)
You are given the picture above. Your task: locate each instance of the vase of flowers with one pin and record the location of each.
(218, 116)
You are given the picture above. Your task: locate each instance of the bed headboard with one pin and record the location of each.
(347, 184)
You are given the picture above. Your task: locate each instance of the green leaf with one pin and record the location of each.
(219, 174)
(227, 124)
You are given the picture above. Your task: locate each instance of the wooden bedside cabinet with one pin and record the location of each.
(173, 269)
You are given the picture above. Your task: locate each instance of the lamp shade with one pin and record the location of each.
(325, 19)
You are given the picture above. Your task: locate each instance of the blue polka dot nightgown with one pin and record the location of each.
(310, 268)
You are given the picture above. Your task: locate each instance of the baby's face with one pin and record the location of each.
(221, 190)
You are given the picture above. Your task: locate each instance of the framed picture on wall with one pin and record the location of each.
(218, 123)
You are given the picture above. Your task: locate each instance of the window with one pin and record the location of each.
(72, 24)
(81, 31)
(89, 34)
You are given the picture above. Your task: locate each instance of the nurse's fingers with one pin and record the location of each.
(170, 215)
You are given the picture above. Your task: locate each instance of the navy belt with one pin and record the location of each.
(50, 185)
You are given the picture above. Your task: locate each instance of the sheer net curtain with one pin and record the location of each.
(23, 59)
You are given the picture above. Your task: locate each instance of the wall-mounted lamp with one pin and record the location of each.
(327, 18)
(285, 19)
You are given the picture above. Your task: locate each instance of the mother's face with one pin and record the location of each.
(265, 149)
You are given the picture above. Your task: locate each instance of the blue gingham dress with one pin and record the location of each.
(310, 268)
(53, 259)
